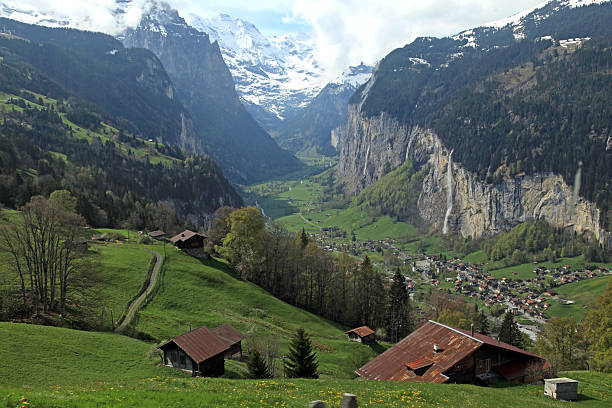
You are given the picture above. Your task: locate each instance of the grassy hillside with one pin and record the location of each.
(194, 293)
(35, 355)
(53, 367)
(583, 293)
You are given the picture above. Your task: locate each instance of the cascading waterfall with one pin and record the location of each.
(449, 192)
(577, 181)
(366, 161)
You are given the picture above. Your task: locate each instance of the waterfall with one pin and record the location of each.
(366, 161)
(449, 192)
(577, 181)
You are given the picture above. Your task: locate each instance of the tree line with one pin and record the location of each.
(295, 269)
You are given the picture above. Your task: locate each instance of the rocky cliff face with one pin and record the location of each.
(477, 209)
(205, 86)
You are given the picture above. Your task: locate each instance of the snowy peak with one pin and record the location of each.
(279, 74)
(355, 75)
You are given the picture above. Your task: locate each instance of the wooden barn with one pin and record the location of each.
(188, 240)
(157, 234)
(362, 334)
(232, 338)
(442, 354)
(199, 351)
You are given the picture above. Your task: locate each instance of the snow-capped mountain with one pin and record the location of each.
(518, 21)
(280, 74)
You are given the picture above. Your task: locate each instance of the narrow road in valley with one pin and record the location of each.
(309, 222)
(129, 316)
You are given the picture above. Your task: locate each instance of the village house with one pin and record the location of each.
(199, 351)
(442, 354)
(188, 240)
(362, 334)
(232, 338)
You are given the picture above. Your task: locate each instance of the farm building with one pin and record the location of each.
(188, 240)
(362, 334)
(442, 354)
(157, 234)
(232, 338)
(199, 351)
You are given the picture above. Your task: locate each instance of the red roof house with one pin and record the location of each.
(362, 334)
(443, 354)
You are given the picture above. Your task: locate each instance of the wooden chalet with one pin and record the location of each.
(188, 240)
(362, 334)
(157, 234)
(442, 354)
(199, 351)
(232, 338)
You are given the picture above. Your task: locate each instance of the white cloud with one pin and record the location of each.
(351, 31)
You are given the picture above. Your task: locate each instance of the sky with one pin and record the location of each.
(346, 31)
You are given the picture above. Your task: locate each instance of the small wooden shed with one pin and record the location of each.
(231, 338)
(199, 351)
(561, 388)
(157, 234)
(188, 240)
(362, 334)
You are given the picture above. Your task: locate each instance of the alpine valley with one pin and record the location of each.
(195, 211)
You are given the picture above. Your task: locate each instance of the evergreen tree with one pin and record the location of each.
(399, 322)
(509, 332)
(302, 360)
(481, 323)
(304, 239)
(258, 368)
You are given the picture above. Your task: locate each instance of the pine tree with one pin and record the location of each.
(399, 324)
(481, 323)
(509, 332)
(302, 360)
(257, 365)
(304, 239)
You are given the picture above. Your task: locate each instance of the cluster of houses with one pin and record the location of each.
(525, 296)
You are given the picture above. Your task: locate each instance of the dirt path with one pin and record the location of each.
(129, 316)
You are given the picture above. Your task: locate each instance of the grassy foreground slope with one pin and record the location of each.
(195, 293)
(33, 355)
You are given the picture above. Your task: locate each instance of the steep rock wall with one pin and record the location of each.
(478, 209)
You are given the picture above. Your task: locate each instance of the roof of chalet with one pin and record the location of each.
(228, 334)
(417, 351)
(199, 344)
(185, 235)
(157, 233)
(362, 331)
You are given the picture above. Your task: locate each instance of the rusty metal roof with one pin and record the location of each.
(362, 331)
(199, 344)
(415, 365)
(228, 334)
(185, 235)
(419, 345)
(414, 351)
(496, 343)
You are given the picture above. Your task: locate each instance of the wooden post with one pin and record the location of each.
(348, 401)
(316, 404)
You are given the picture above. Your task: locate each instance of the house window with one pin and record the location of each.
(487, 365)
(183, 360)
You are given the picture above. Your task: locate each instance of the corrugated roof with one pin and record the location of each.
(362, 331)
(228, 334)
(391, 365)
(184, 236)
(418, 348)
(199, 344)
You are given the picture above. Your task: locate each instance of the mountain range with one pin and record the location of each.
(503, 124)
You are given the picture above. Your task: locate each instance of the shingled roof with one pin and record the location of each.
(228, 334)
(199, 344)
(417, 351)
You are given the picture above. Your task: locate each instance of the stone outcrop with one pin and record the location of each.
(479, 209)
